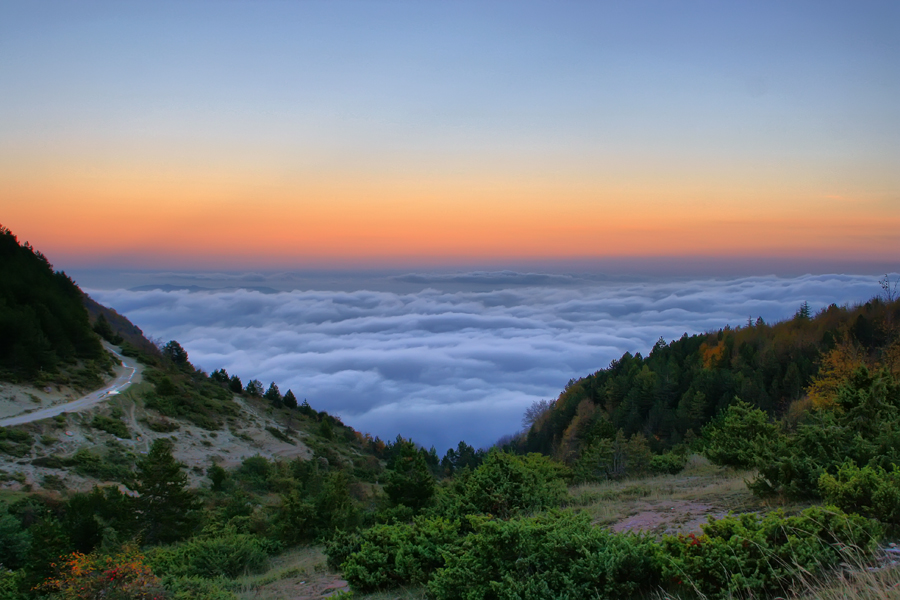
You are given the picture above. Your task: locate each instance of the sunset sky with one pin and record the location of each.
(356, 134)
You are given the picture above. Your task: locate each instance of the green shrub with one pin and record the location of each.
(870, 491)
(395, 555)
(197, 588)
(749, 555)
(340, 546)
(15, 442)
(115, 465)
(669, 463)
(227, 554)
(11, 584)
(112, 426)
(14, 542)
(280, 435)
(506, 485)
(163, 426)
(739, 436)
(864, 427)
(552, 555)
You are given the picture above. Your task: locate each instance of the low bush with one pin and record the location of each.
(750, 556)
(552, 555)
(670, 463)
(506, 485)
(870, 491)
(194, 588)
(739, 436)
(395, 555)
(15, 442)
(280, 436)
(227, 554)
(112, 426)
(163, 426)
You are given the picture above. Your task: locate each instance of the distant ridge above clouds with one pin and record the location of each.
(492, 278)
(444, 363)
(167, 287)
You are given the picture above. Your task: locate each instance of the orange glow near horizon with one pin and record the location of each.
(210, 221)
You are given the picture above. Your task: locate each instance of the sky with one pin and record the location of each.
(433, 135)
(441, 358)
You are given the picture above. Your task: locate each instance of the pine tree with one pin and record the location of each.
(290, 400)
(169, 510)
(273, 395)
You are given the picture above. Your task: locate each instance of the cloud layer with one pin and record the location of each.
(440, 365)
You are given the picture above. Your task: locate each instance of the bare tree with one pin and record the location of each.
(534, 412)
(890, 291)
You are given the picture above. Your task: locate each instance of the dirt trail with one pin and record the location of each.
(124, 378)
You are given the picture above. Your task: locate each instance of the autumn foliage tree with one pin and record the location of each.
(120, 576)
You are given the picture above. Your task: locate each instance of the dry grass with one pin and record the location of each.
(860, 582)
(701, 486)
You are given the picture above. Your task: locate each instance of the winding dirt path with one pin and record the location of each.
(121, 381)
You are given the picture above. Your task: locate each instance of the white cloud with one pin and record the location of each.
(441, 366)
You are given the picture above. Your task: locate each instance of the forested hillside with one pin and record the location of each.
(43, 323)
(669, 395)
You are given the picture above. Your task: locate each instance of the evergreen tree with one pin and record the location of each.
(254, 387)
(290, 400)
(273, 395)
(169, 510)
(174, 352)
(409, 480)
(235, 384)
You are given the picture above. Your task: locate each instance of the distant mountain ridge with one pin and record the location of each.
(167, 287)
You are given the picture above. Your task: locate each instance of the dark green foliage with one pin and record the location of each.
(553, 555)
(189, 396)
(15, 442)
(320, 505)
(273, 395)
(235, 385)
(217, 477)
(101, 516)
(175, 353)
(870, 491)
(739, 436)
(219, 376)
(43, 323)
(506, 485)
(863, 428)
(395, 555)
(254, 388)
(669, 463)
(750, 556)
(110, 425)
(114, 464)
(224, 554)
(614, 458)
(105, 330)
(163, 426)
(15, 541)
(340, 546)
(184, 588)
(409, 481)
(464, 457)
(168, 510)
(280, 435)
(290, 400)
(681, 385)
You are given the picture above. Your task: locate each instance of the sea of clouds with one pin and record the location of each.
(441, 362)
